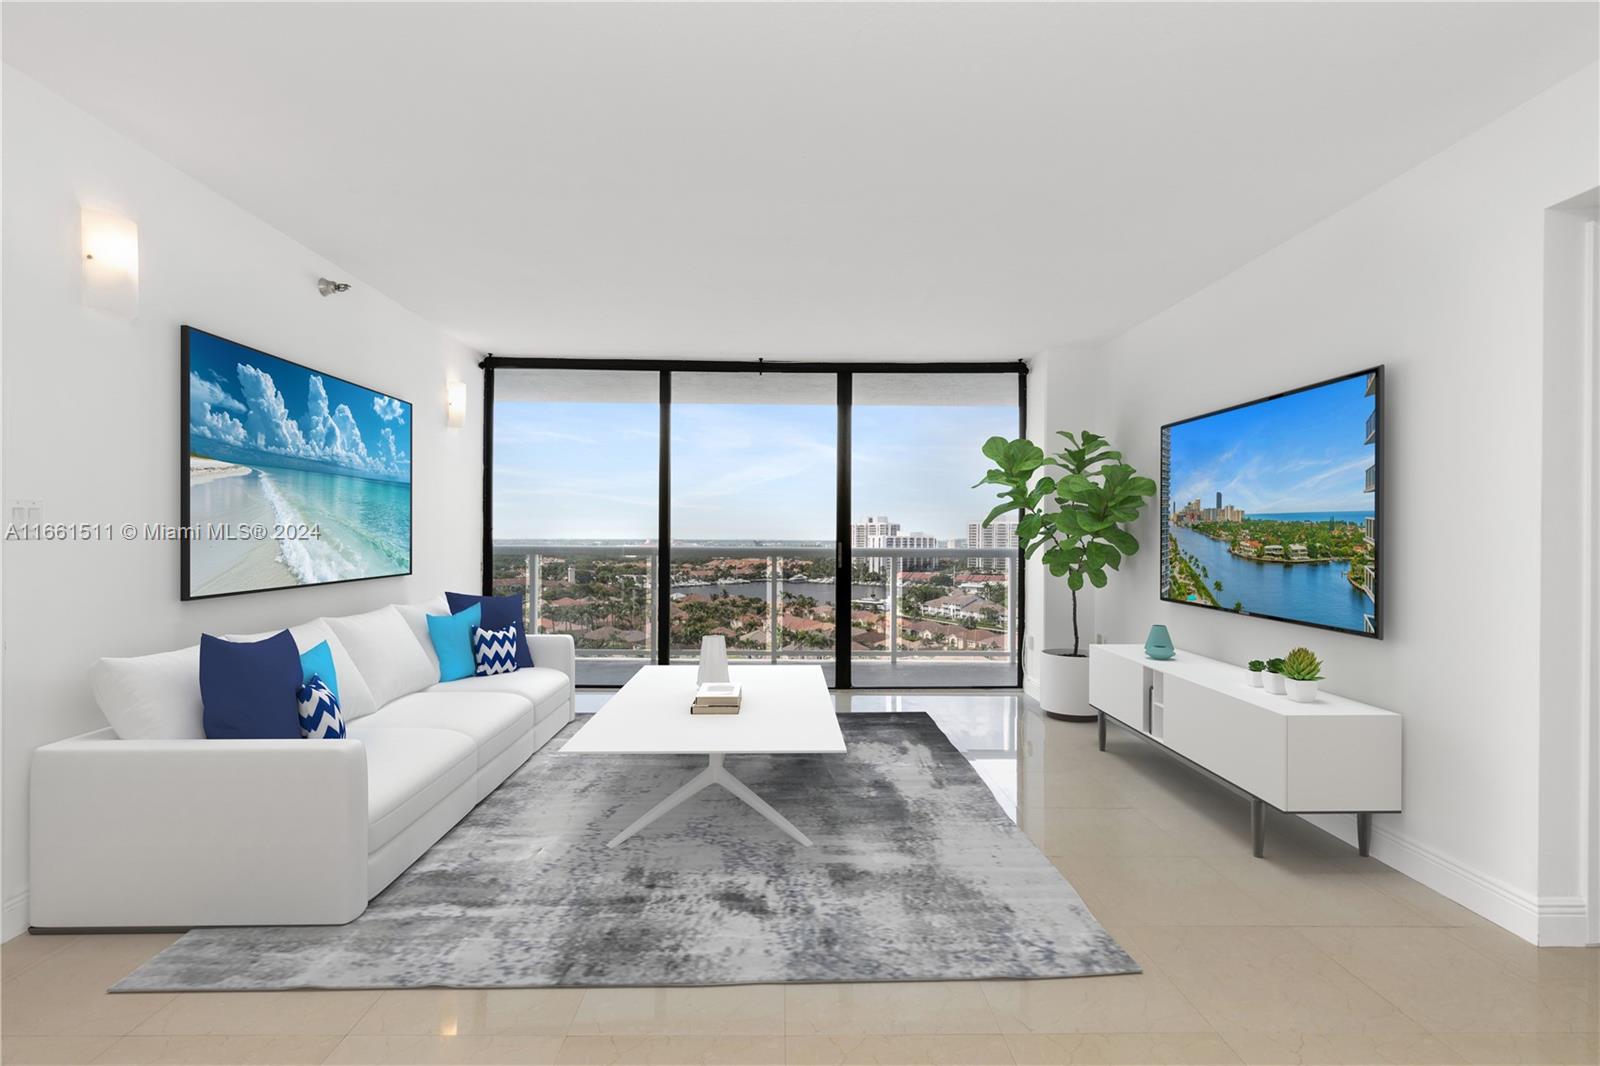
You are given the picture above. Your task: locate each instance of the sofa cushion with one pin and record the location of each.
(151, 697)
(547, 689)
(319, 711)
(248, 688)
(355, 698)
(409, 771)
(385, 652)
(318, 663)
(452, 642)
(493, 721)
(416, 616)
(499, 612)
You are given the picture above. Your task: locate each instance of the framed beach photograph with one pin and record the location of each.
(291, 476)
(1271, 508)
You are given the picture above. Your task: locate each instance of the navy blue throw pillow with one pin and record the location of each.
(248, 689)
(499, 612)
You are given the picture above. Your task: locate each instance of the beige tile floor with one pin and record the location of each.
(1311, 955)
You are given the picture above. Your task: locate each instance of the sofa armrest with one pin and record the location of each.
(163, 833)
(557, 651)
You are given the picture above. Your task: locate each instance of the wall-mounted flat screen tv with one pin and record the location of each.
(291, 476)
(1271, 508)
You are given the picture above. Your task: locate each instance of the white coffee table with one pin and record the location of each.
(786, 710)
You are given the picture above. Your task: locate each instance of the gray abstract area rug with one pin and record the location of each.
(916, 875)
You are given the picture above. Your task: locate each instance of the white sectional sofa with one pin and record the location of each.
(147, 824)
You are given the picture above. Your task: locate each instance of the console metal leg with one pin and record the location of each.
(1364, 833)
(1102, 717)
(1258, 827)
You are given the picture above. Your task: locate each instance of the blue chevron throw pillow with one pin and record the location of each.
(494, 650)
(319, 711)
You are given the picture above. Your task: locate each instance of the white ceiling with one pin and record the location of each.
(794, 180)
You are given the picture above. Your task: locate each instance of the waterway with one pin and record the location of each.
(1306, 592)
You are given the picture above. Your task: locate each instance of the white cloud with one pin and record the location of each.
(321, 435)
(388, 408)
(211, 395)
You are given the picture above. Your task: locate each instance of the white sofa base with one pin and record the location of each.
(394, 858)
(178, 833)
(173, 834)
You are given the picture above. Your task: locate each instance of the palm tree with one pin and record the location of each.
(1217, 585)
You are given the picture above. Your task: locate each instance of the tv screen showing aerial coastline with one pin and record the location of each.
(1270, 508)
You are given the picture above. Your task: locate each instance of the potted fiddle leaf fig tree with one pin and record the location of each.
(1073, 510)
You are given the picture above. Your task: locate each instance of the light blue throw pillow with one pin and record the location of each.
(452, 642)
(318, 662)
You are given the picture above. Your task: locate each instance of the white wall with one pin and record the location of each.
(91, 420)
(1061, 396)
(1439, 275)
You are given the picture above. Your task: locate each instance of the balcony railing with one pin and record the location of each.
(1370, 530)
(1372, 427)
(1372, 478)
(916, 615)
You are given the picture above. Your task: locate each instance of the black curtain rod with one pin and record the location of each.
(491, 361)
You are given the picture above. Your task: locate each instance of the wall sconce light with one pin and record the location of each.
(455, 406)
(110, 263)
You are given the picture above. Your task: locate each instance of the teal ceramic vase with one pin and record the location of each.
(1158, 645)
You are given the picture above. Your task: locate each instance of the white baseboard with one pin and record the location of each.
(1551, 922)
(14, 916)
(1563, 922)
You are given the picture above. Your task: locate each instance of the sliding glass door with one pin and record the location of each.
(936, 601)
(754, 467)
(811, 513)
(575, 516)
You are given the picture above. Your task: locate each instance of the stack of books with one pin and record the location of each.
(716, 697)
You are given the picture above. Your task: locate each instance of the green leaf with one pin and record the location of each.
(1124, 541)
(1097, 578)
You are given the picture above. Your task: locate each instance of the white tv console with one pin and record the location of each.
(1331, 756)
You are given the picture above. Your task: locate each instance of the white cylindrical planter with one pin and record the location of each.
(1273, 682)
(1064, 685)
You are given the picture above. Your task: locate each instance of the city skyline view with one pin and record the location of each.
(739, 471)
(1297, 454)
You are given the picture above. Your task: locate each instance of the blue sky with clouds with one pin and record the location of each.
(1302, 452)
(251, 408)
(739, 471)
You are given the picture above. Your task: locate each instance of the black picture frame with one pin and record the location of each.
(185, 520)
(1378, 395)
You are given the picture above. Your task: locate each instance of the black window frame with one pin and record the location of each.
(844, 376)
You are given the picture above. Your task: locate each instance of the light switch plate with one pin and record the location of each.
(26, 512)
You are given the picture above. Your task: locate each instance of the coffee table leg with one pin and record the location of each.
(742, 790)
(713, 774)
(704, 779)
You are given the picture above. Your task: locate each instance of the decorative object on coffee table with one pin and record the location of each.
(716, 697)
(1257, 668)
(713, 660)
(1272, 680)
(1158, 645)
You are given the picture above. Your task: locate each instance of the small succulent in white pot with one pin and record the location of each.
(1257, 668)
(1272, 680)
(1301, 672)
